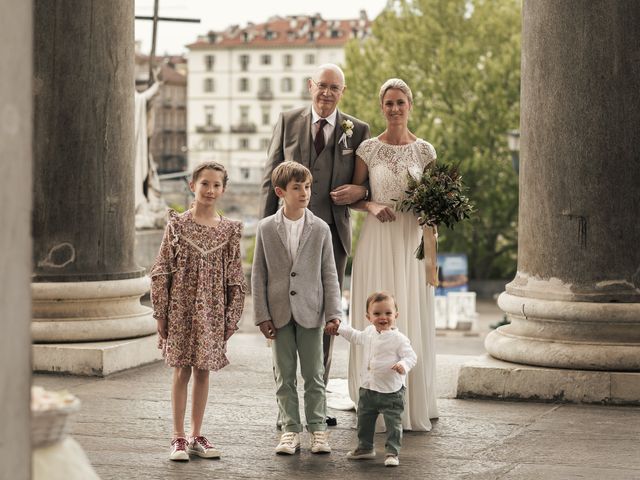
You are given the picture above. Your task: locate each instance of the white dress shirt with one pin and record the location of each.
(294, 230)
(381, 351)
(328, 128)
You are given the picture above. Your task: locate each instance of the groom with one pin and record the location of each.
(324, 140)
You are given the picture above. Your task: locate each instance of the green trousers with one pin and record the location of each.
(293, 341)
(391, 406)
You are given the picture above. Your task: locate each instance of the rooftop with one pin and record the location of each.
(171, 68)
(289, 31)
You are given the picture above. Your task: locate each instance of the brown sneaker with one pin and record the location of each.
(361, 454)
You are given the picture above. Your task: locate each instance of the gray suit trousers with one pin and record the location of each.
(340, 257)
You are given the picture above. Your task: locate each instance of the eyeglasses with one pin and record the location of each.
(324, 87)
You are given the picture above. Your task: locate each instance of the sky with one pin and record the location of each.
(219, 14)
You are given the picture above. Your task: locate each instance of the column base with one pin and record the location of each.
(488, 378)
(90, 311)
(568, 334)
(97, 359)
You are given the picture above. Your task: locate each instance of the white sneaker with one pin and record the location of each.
(391, 461)
(201, 447)
(320, 442)
(179, 450)
(289, 443)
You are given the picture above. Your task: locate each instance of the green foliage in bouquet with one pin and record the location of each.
(436, 198)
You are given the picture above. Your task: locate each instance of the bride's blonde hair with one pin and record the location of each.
(397, 84)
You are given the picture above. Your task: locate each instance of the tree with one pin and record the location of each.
(461, 59)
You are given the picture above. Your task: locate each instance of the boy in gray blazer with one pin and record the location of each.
(295, 295)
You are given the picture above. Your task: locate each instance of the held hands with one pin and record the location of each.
(381, 212)
(347, 194)
(331, 328)
(399, 368)
(268, 329)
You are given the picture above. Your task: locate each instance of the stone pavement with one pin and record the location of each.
(125, 427)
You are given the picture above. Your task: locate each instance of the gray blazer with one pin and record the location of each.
(305, 289)
(291, 140)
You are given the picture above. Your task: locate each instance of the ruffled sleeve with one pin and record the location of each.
(236, 285)
(163, 269)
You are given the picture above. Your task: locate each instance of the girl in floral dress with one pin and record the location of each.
(197, 292)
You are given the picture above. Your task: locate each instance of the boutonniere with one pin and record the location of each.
(347, 131)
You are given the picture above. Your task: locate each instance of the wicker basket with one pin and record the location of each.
(49, 426)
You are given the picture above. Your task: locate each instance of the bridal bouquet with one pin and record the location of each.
(437, 198)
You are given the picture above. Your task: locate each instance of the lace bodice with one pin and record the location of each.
(389, 165)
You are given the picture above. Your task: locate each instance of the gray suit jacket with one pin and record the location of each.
(305, 288)
(291, 140)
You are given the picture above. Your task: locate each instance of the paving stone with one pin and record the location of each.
(564, 472)
(590, 420)
(125, 427)
(555, 447)
(625, 387)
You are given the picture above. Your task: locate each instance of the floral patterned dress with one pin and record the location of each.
(197, 284)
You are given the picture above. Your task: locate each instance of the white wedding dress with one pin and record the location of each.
(385, 260)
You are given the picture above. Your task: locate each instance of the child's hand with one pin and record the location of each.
(398, 367)
(268, 329)
(332, 327)
(163, 328)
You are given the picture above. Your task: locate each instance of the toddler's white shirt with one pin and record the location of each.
(381, 351)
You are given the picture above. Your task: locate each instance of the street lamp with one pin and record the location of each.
(513, 142)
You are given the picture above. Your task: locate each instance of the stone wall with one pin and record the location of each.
(15, 239)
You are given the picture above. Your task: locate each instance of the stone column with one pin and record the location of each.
(86, 284)
(15, 238)
(575, 301)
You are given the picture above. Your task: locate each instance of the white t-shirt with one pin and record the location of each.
(294, 230)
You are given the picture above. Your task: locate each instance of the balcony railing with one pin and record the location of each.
(265, 95)
(208, 129)
(244, 128)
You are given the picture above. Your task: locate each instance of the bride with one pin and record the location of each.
(384, 258)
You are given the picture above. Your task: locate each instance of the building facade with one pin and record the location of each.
(242, 78)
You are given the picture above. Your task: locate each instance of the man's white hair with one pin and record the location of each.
(329, 66)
